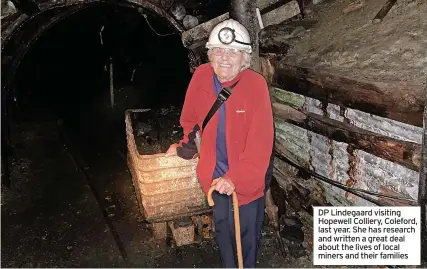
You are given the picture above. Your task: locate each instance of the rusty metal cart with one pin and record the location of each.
(168, 192)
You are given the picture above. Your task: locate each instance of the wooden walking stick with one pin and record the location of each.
(236, 223)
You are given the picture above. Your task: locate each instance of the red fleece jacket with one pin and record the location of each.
(249, 130)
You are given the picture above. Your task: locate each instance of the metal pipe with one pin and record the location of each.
(357, 192)
(111, 84)
(367, 198)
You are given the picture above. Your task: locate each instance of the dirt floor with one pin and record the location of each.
(58, 215)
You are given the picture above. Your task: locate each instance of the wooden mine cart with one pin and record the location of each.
(168, 192)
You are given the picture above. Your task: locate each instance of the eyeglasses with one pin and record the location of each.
(221, 51)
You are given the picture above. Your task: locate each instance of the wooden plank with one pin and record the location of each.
(266, 69)
(422, 189)
(384, 10)
(244, 11)
(198, 35)
(263, 4)
(387, 99)
(281, 13)
(405, 153)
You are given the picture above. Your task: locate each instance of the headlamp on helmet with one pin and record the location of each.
(226, 36)
(230, 34)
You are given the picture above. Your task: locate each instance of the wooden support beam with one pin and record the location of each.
(407, 154)
(422, 188)
(281, 13)
(387, 99)
(277, 39)
(266, 69)
(198, 35)
(299, 197)
(384, 10)
(244, 11)
(291, 180)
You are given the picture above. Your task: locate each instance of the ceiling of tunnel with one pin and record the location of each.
(12, 9)
(67, 63)
(20, 30)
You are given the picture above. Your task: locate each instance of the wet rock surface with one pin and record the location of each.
(346, 41)
(53, 216)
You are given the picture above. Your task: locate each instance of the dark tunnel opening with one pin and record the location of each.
(72, 200)
(58, 186)
(66, 77)
(66, 73)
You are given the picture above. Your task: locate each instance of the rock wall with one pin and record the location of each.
(351, 45)
(338, 161)
(346, 43)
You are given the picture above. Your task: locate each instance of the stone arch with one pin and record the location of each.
(19, 35)
(20, 31)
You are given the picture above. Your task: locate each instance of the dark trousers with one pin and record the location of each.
(251, 218)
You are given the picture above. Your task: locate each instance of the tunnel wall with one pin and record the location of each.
(12, 18)
(347, 44)
(20, 30)
(335, 160)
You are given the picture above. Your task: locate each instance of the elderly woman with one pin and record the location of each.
(238, 140)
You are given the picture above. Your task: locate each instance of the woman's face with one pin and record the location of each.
(226, 63)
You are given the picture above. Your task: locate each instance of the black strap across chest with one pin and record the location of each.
(223, 95)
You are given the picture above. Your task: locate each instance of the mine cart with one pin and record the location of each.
(168, 192)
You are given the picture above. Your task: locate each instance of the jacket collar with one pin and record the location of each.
(225, 84)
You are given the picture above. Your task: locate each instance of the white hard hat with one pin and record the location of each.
(230, 34)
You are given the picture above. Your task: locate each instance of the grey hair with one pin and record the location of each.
(247, 58)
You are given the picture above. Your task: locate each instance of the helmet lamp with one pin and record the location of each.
(226, 36)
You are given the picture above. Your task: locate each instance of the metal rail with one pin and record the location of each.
(88, 178)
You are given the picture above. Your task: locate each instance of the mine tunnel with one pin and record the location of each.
(88, 88)
(68, 73)
(68, 195)
(66, 101)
